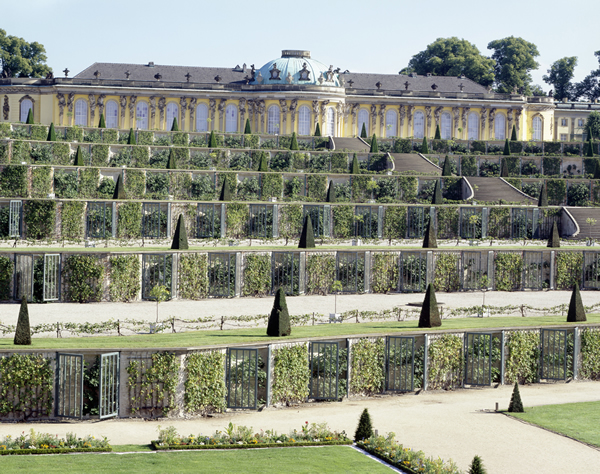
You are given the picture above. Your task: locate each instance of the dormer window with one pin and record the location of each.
(275, 73)
(304, 73)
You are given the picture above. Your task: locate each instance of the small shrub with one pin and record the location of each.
(364, 430)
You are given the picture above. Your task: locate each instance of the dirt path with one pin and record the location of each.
(455, 425)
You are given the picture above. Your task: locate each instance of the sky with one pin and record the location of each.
(362, 36)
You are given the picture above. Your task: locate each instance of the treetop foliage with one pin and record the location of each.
(560, 75)
(515, 58)
(18, 58)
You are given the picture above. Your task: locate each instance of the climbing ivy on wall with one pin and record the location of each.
(557, 190)
(88, 182)
(41, 181)
(129, 225)
(316, 187)
(100, 155)
(343, 221)
(446, 275)
(272, 185)
(6, 274)
(61, 154)
(135, 183)
(124, 277)
(180, 185)
(84, 276)
(291, 374)
(290, 221)
(257, 275)
(237, 215)
(385, 272)
(193, 276)
(71, 220)
(523, 357)
(508, 267)
(320, 273)
(394, 223)
(156, 383)
(590, 354)
(408, 186)
(13, 181)
(39, 219)
(205, 388)
(65, 184)
(568, 269)
(445, 359)
(367, 366)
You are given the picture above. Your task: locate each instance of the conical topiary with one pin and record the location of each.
(374, 146)
(447, 168)
(263, 166)
(225, 191)
(29, 120)
(180, 241)
(576, 312)
(279, 320)
(424, 147)
(430, 314)
(504, 169)
(23, 331)
(513, 136)
(516, 405)
(307, 237)
(597, 170)
(51, 133)
(119, 189)
(355, 168)
(174, 127)
(212, 140)
(363, 131)
(543, 199)
(506, 148)
(247, 130)
(364, 429)
(554, 240)
(317, 130)
(476, 466)
(294, 142)
(590, 148)
(131, 139)
(437, 195)
(171, 163)
(438, 135)
(101, 122)
(430, 237)
(78, 157)
(331, 192)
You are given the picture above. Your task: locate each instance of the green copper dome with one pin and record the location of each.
(296, 67)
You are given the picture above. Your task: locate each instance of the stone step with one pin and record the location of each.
(414, 162)
(495, 189)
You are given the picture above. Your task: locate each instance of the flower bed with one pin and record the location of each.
(242, 437)
(388, 450)
(45, 443)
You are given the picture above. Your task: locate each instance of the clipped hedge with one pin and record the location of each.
(205, 389)
(445, 359)
(84, 276)
(291, 375)
(257, 275)
(193, 276)
(124, 277)
(367, 366)
(522, 362)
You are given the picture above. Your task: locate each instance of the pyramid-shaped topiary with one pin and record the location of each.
(437, 195)
(225, 191)
(355, 169)
(331, 192)
(212, 140)
(438, 135)
(543, 199)
(279, 320)
(504, 169)
(554, 240)
(174, 127)
(29, 120)
(294, 142)
(101, 122)
(516, 405)
(374, 146)
(430, 237)
(447, 168)
(597, 169)
(363, 131)
(364, 429)
(476, 466)
(131, 139)
(247, 130)
(51, 133)
(23, 331)
(263, 166)
(424, 147)
(180, 241)
(576, 312)
(317, 130)
(430, 314)
(171, 163)
(119, 189)
(78, 161)
(307, 237)
(513, 136)
(506, 148)
(590, 148)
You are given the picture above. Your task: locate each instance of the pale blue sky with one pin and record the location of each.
(362, 36)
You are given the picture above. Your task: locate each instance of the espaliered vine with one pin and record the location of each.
(367, 371)
(153, 387)
(291, 375)
(205, 382)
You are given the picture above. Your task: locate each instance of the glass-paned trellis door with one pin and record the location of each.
(109, 385)
(69, 385)
(478, 358)
(242, 378)
(400, 364)
(324, 370)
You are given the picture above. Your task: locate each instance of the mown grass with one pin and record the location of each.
(258, 335)
(330, 459)
(576, 420)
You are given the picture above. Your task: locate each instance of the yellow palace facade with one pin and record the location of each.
(292, 93)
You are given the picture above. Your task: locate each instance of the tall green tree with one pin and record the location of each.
(589, 88)
(18, 58)
(560, 76)
(593, 124)
(515, 58)
(453, 57)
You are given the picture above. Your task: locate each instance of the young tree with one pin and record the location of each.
(513, 135)
(171, 163)
(430, 314)
(263, 166)
(504, 169)
(430, 237)
(307, 237)
(515, 58)
(279, 320)
(438, 135)
(23, 331)
(159, 293)
(225, 191)
(294, 142)
(593, 124)
(18, 58)
(212, 140)
(247, 130)
(317, 130)
(424, 147)
(180, 241)
(560, 76)
(447, 168)
(101, 122)
(331, 197)
(476, 466)
(363, 132)
(355, 168)
(51, 133)
(78, 157)
(437, 196)
(506, 148)
(576, 312)
(374, 146)
(364, 429)
(515, 405)
(543, 200)
(174, 127)
(131, 139)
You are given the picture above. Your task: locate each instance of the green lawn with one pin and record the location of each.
(330, 459)
(239, 336)
(576, 420)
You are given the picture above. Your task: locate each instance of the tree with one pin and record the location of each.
(171, 162)
(447, 168)
(51, 133)
(78, 157)
(437, 196)
(453, 57)
(355, 168)
(307, 237)
(180, 241)
(593, 124)
(515, 405)
(424, 147)
(430, 314)
(23, 331)
(18, 58)
(515, 58)
(174, 127)
(560, 75)
(101, 122)
(159, 293)
(279, 320)
(212, 140)
(363, 131)
(331, 197)
(430, 237)
(131, 139)
(247, 130)
(438, 135)
(225, 191)
(537, 91)
(263, 166)
(374, 146)
(576, 310)
(119, 189)
(364, 430)
(543, 199)
(513, 136)
(476, 466)
(554, 240)
(504, 169)
(506, 148)
(29, 120)
(294, 142)
(317, 130)
(589, 88)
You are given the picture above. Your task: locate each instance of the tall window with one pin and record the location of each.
(537, 128)
(419, 125)
(563, 122)
(141, 115)
(500, 127)
(363, 118)
(330, 122)
(202, 118)
(391, 123)
(26, 105)
(473, 126)
(81, 118)
(112, 114)
(304, 120)
(273, 120)
(231, 122)
(172, 110)
(446, 126)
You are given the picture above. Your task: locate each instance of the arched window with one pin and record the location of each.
(419, 125)
(141, 115)
(330, 122)
(473, 126)
(446, 126)
(202, 118)
(391, 123)
(231, 121)
(500, 127)
(537, 128)
(273, 120)
(363, 118)
(81, 118)
(304, 120)
(172, 110)
(26, 105)
(112, 114)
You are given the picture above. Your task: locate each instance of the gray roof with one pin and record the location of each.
(396, 82)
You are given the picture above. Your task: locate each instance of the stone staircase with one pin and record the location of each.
(580, 214)
(494, 189)
(414, 162)
(349, 144)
